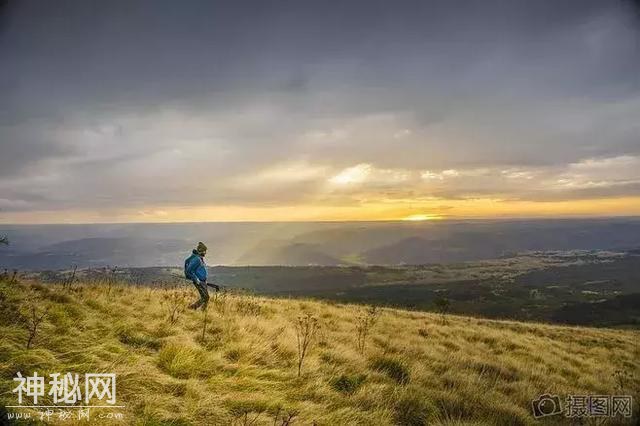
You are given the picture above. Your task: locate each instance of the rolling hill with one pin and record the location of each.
(238, 364)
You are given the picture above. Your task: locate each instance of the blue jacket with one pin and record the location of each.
(194, 268)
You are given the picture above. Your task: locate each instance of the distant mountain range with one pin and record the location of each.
(299, 244)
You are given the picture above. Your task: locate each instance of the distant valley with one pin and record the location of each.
(50, 247)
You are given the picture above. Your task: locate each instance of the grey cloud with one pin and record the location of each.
(22, 148)
(619, 189)
(149, 53)
(89, 88)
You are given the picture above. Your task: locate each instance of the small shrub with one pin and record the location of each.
(247, 412)
(35, 315)
(393, 367)
(174, 303)
(348, 384)
(283, 417)
(364, 322)
(306, 328)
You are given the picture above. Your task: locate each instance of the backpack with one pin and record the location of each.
(187, 263)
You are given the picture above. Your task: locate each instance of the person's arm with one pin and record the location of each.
(206, 277)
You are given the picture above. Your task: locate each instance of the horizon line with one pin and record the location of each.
(439, 219)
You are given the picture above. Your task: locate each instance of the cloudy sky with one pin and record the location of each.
(318, 110)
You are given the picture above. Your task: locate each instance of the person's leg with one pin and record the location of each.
(196, 304)
(203, 293)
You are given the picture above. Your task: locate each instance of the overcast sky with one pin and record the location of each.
(294, 110)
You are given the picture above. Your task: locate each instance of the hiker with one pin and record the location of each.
(195, 270)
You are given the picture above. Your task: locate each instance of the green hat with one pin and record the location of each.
(201, 249)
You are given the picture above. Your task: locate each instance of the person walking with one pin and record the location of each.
(195, 270)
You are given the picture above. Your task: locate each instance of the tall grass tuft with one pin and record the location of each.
(394, 367)
(412, 409)
(348, 384)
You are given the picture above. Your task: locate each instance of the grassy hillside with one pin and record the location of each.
(594, 288)
(242, 368)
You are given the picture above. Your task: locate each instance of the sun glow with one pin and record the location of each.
(422, 217)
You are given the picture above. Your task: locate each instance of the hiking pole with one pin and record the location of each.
(217, 287)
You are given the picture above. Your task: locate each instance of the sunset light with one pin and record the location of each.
(293, 126)
(421, 217)
(319, 212)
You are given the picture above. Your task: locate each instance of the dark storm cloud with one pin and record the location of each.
(144, 53)
(133, 101)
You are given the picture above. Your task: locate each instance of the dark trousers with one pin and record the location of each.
(204, 295)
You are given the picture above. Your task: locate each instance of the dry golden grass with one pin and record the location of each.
(414, 370)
